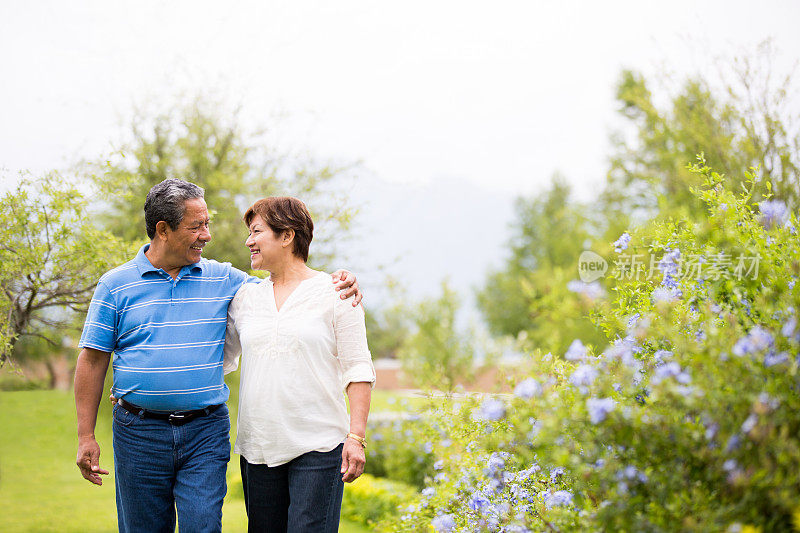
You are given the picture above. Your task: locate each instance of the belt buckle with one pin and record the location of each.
(176, 419)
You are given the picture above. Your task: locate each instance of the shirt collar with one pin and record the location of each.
(144, 265)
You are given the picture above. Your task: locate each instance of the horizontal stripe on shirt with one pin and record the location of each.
(168, 355)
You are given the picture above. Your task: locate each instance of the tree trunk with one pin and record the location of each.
(59, 368)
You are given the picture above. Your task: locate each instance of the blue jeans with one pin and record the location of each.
(303, 495)
(159, 467)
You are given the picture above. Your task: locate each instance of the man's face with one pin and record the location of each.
(185, 244)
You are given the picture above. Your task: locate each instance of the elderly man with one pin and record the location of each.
(163, 314)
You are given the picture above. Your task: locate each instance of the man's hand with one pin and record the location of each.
(353, 460)
(346, 283)
(89, 460)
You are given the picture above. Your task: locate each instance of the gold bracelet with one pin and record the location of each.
(361, 440)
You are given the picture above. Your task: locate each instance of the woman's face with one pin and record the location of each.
(265, 245)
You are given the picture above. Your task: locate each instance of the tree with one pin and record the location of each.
(51, 256)
(747, 122)
(529, 295)
(389, 325)
(437, 355)
(196, 142)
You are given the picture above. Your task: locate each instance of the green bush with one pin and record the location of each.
(370, 500)
(689, 419)
(400, 449)
(11, 380)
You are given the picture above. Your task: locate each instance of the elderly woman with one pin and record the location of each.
(301, 347)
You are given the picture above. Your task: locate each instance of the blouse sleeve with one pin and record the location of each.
(233, 347)
(351, 343)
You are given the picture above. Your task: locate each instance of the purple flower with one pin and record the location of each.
(576, 351)
(671, 370)
(773, 213)
(491, 409)
(772, 358)
(592, 290)
(528, 389)
(631, 473)
(599, 408)
(478, 501)
(623, 349)
(669, 262)
(663, 294)
(444, 523)
(583, 376)
(555, 474)
(750, 423)
(757, 339)
(557, 498)
(660, 355)
(622, 243)
(522, 475)
(429, 492)
(789, 327)
(495, 464)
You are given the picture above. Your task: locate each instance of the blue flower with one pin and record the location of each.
(622, 243)
(623, 349)
(599, 408)
(576, 351)
(438, 465)
(444, 523)
(591, 290)
(757, 339)
(478, 502)
(772, 358)
(522, 475)
(671, 370)
(734, 442)
(557, 498)
(631, 473)
(528, 389)
(789, 327)
(491, 409)
(750, 423)
(555, 474)
(773, 213)
(495, 464)
(427, 447)
(583, 376)
(660, 355)
(429, 492)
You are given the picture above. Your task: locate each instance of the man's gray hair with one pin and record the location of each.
(167, 201)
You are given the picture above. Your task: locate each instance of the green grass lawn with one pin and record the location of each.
(42, 489)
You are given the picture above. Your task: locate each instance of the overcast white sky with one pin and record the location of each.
(498, 93)
(495, 96)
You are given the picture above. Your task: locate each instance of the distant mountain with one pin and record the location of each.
(422, 234)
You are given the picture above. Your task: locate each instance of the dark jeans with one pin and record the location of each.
(303, 495)
(159, 467)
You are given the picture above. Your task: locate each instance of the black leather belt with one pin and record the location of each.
(176, 418)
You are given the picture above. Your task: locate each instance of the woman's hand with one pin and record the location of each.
(353, 460)
(346, 283)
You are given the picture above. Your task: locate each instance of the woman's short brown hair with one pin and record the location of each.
(282, 213)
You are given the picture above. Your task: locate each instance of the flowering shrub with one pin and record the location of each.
(401, 449)
(369, 499)
(688, 419)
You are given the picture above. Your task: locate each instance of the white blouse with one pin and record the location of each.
(296, 363)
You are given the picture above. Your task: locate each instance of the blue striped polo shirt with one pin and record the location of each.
(167, 335)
